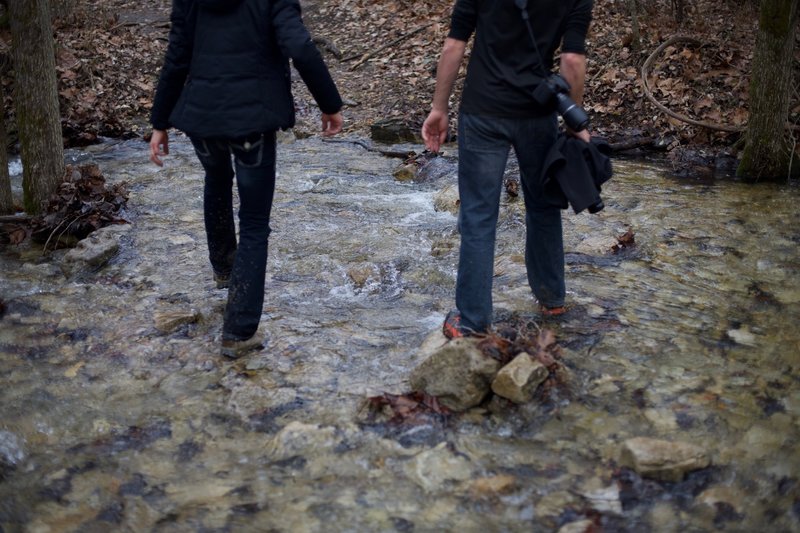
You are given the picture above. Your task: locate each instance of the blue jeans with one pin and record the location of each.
(483, 145)
(254, 160)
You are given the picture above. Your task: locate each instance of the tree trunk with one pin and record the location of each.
(6, 198)
(36, 101)
(768, 152)
(635, 33)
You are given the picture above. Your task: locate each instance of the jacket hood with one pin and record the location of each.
(219, 6)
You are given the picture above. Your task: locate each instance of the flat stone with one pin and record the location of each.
(299, 439)
(518, 380)
(661, 459)
(169, 321)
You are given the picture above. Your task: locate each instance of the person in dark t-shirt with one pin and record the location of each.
(509, 60)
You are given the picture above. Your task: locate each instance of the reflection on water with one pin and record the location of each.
(691, 335)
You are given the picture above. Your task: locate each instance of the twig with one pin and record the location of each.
(664, 109)
(369, 55)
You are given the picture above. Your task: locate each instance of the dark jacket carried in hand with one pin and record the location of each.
(574, 171)
(226, 72)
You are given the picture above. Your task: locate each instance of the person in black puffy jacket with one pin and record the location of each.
(226, 83)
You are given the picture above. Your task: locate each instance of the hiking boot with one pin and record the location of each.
(234, 349)
(552, 311)
(452, 325)
(222, 280)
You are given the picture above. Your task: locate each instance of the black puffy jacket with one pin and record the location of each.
(226, 71)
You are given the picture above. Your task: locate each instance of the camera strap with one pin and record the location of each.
(523, 8)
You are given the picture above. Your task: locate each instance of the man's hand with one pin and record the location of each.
(159, 146)
(434, 130)
(331, 124)
(583, 135)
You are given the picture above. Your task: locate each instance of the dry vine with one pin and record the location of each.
(663, 108)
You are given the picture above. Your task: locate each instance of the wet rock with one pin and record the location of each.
(432, 469)
(442, 247)
(168, 321)
(665, 517)
(491, 486)
(597, 245)
(447, 200)
(602, 498)
(552, 505)
(518, 380)
(458, 374)
(718, 499)
(661, 459)
(43, 270)
(405, 173)
(93, 251)
(663, 420)
(298, 439)
(361, 274)
(11, 452)
(285, 137)
(743, 336)
(581, 526)
(436, 168)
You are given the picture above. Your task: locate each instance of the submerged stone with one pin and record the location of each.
(661, 459)
(431, 469)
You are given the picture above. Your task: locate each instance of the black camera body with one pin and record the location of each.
(553, 92)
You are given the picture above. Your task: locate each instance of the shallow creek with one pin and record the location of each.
(106, 423)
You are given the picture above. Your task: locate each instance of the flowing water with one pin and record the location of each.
(110, 423)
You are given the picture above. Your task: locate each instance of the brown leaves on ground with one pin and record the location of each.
(407, 408)
(383, 55)
(82, 204)
(626, 240)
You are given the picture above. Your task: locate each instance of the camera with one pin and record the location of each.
(553, 92)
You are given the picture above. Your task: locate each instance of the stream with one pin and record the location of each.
(109, 422)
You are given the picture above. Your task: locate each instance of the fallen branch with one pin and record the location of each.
(15, 219)
(630, 144)
(369, 148)
(663, 108)
(369, 55)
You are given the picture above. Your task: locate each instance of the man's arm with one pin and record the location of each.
(434, 129)
(573, 69)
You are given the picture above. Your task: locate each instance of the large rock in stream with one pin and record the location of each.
(458, 374)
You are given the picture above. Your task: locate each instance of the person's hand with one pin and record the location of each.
(583, 135)
(159, 146)
(434, 130)
(331, 124)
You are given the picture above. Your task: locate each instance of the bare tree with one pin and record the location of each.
(768, 152)
(36, 101)
(6, 198)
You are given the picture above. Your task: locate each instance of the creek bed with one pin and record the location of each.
(690, 335)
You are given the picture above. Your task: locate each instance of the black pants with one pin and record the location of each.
(254, 163)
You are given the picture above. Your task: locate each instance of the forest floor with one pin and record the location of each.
(383, 55)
